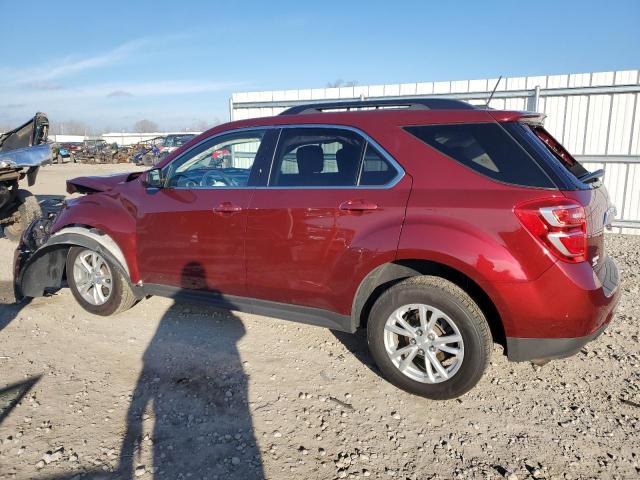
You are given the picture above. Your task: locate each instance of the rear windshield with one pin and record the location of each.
(549, 153)
(486, 148)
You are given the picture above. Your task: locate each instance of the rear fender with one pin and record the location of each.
(44, 268)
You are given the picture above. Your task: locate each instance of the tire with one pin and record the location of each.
(59, 159)
(458, 317)
(28, 210)
(120, 297)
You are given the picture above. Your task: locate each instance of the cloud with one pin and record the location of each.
(44, 86)
(71, 65)
(13, 105)
(119, 93)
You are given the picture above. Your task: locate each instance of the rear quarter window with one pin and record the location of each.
(487, 149)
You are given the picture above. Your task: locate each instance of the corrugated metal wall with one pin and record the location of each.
(595, 115)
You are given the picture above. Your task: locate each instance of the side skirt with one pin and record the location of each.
(284, 311)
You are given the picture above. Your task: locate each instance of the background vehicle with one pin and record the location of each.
(427, 222)
(147, 152)
(96, 151)
(172, 142)
(59, 153)
(22, 151)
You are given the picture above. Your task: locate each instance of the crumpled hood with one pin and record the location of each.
(92, 184)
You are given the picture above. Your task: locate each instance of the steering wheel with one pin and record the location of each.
(227, 180)
(183, 180)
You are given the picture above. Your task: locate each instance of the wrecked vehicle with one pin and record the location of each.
(96, 151)
(147, 152)
(425, 222)
(22, 151)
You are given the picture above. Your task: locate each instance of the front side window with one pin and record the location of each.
(223, 162)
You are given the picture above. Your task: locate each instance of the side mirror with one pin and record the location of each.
(153, 178)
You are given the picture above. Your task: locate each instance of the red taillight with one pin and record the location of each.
(558, 224)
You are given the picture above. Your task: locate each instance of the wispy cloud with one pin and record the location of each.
(70, 65)
(119, 93)
(44, 86)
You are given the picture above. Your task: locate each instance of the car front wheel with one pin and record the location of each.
(429, 337)
(96, 283)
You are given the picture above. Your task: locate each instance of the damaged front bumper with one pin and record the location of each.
(34, 240)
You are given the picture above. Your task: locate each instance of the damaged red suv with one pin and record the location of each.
(437, 226)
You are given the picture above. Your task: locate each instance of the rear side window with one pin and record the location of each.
(376, 170)
(328, 157)
(487, 149)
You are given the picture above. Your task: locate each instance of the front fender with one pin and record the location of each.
(111, 216)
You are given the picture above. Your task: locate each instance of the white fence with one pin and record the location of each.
(595, 115)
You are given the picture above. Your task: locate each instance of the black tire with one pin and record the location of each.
(121, 298)
(459, 307)
(28, 210)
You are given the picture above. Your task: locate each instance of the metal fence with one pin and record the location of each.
(595, 115)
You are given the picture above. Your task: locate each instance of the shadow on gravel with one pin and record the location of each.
(9, 309)
(190, 404)
(357, 345)
(11, 395)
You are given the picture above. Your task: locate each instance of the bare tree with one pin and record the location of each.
(145, 126)
(69, 127)
(199, 125)
(341, 83)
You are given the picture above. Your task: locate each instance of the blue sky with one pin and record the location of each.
(112, 63)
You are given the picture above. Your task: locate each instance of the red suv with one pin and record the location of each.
(438, 226)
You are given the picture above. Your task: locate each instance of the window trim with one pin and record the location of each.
(400, 172)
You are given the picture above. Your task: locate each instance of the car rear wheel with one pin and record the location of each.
(429, 337)
(96, 283)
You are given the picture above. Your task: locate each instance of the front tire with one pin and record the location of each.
(428, 337)
(97, 284)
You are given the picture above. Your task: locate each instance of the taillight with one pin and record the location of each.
(559, 224)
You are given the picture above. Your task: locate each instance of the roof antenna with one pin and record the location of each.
(494, 91)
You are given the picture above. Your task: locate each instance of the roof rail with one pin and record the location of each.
(387, 103)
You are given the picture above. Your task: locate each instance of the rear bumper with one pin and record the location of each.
(557, 314)
(532, 349)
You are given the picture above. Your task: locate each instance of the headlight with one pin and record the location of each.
(8, 164)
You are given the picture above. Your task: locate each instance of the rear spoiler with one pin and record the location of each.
(532, 118)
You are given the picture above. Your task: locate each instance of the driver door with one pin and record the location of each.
(191, 232)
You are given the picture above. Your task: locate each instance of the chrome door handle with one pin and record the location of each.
(227, 207)
(358, 205)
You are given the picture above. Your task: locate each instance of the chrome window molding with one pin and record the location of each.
(368, 140)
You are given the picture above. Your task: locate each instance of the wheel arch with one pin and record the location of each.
(45, 268)
(386, 275)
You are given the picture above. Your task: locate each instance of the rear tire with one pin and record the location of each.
(28, 210)
(117, 293)
(443, 356)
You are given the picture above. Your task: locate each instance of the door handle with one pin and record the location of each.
(358, 206)
(227, 207)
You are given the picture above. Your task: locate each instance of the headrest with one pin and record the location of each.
(310, 159)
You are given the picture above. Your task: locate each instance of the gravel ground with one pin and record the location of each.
(171, 391)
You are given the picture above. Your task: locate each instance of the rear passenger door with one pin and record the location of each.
(331, 211)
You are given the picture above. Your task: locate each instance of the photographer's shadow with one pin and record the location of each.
(190, 405)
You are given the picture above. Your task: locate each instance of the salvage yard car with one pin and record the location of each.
(437, 226)
(22, 151)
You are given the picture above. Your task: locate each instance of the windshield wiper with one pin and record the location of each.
(589, 177)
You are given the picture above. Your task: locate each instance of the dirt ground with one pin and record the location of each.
(170, 391)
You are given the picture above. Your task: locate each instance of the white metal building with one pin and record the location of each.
(595, 115)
